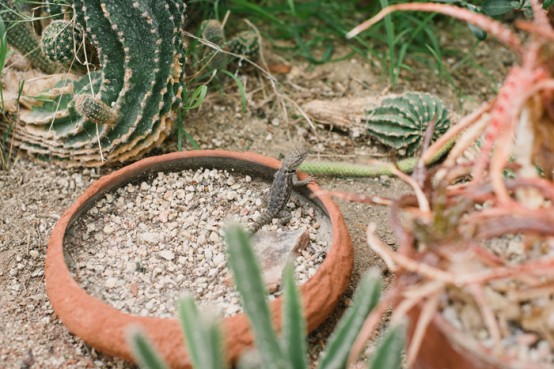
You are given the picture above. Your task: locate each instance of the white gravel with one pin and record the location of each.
(143, 246)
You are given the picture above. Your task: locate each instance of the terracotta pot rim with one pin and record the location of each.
(446, 346)
(103, 326)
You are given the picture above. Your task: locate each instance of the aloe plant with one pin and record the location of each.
(400, 122)
(203, 337)
(129, 101)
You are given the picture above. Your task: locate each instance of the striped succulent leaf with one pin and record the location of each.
(400, 122)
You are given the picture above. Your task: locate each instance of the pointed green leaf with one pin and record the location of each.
(340, 342)
(389, 351)
(202, 335)
(248, 280)
(144, 352)
(294, 325)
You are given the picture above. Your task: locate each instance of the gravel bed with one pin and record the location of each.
(146, 244)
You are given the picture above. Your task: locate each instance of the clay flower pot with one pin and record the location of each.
(445, 347)
(104, 327)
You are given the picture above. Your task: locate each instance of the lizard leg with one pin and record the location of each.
(284, 216)
(296, 182)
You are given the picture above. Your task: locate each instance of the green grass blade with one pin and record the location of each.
(294, 325)
(389, 28)
(292, 7)
(389, 351)
(144, 352)
(240, 86)
(202, 336)
(340, 342)
(258, 10)
(191, 140)
(197, 97)
(249, 283)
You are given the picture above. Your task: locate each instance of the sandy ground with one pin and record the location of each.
(33, 196)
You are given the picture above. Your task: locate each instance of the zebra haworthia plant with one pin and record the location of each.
(122, 108)
(400, 122)
(204, 339)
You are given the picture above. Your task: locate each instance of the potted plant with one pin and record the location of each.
(473, 301)
(103, 326)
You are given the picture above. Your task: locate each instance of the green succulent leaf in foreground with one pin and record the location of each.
(342, 339)
(144, 352)
(294, 325)
(203, 336)
(389, 352)
(248, 280)
(204, 340)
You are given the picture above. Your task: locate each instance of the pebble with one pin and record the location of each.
(151, 237)
(167, 255)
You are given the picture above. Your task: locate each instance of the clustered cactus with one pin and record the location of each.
(400, 122)
(245, 43)
(204, 338)
(124, 107)
(21, 36)
(60, 40)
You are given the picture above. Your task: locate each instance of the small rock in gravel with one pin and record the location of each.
(108, 229)
(151, 237)
(110, 282)
(167, 255)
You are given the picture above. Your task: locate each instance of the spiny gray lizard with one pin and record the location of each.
(281, 189)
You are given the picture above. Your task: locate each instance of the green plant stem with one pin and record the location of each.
(373, 170)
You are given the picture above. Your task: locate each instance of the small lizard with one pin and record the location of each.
(281, 189)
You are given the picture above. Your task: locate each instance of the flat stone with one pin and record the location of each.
(274, 249)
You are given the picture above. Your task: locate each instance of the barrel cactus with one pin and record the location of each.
(60, 42)
(123, 108)
(400, 122)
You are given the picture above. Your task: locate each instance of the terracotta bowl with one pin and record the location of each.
(104, 327)
(446, 347)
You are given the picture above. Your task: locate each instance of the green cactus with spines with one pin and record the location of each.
(139, 44)
(245, 43)
(21, 36)
(60, 40)
(400, 122)
(95, 110)
(212, 30)
(56, 8)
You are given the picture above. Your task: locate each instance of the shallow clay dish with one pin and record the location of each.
(104, 327)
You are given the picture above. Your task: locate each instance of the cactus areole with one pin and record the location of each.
(117, 110)
(105, 327)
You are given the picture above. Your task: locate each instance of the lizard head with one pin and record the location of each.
(294, 158)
